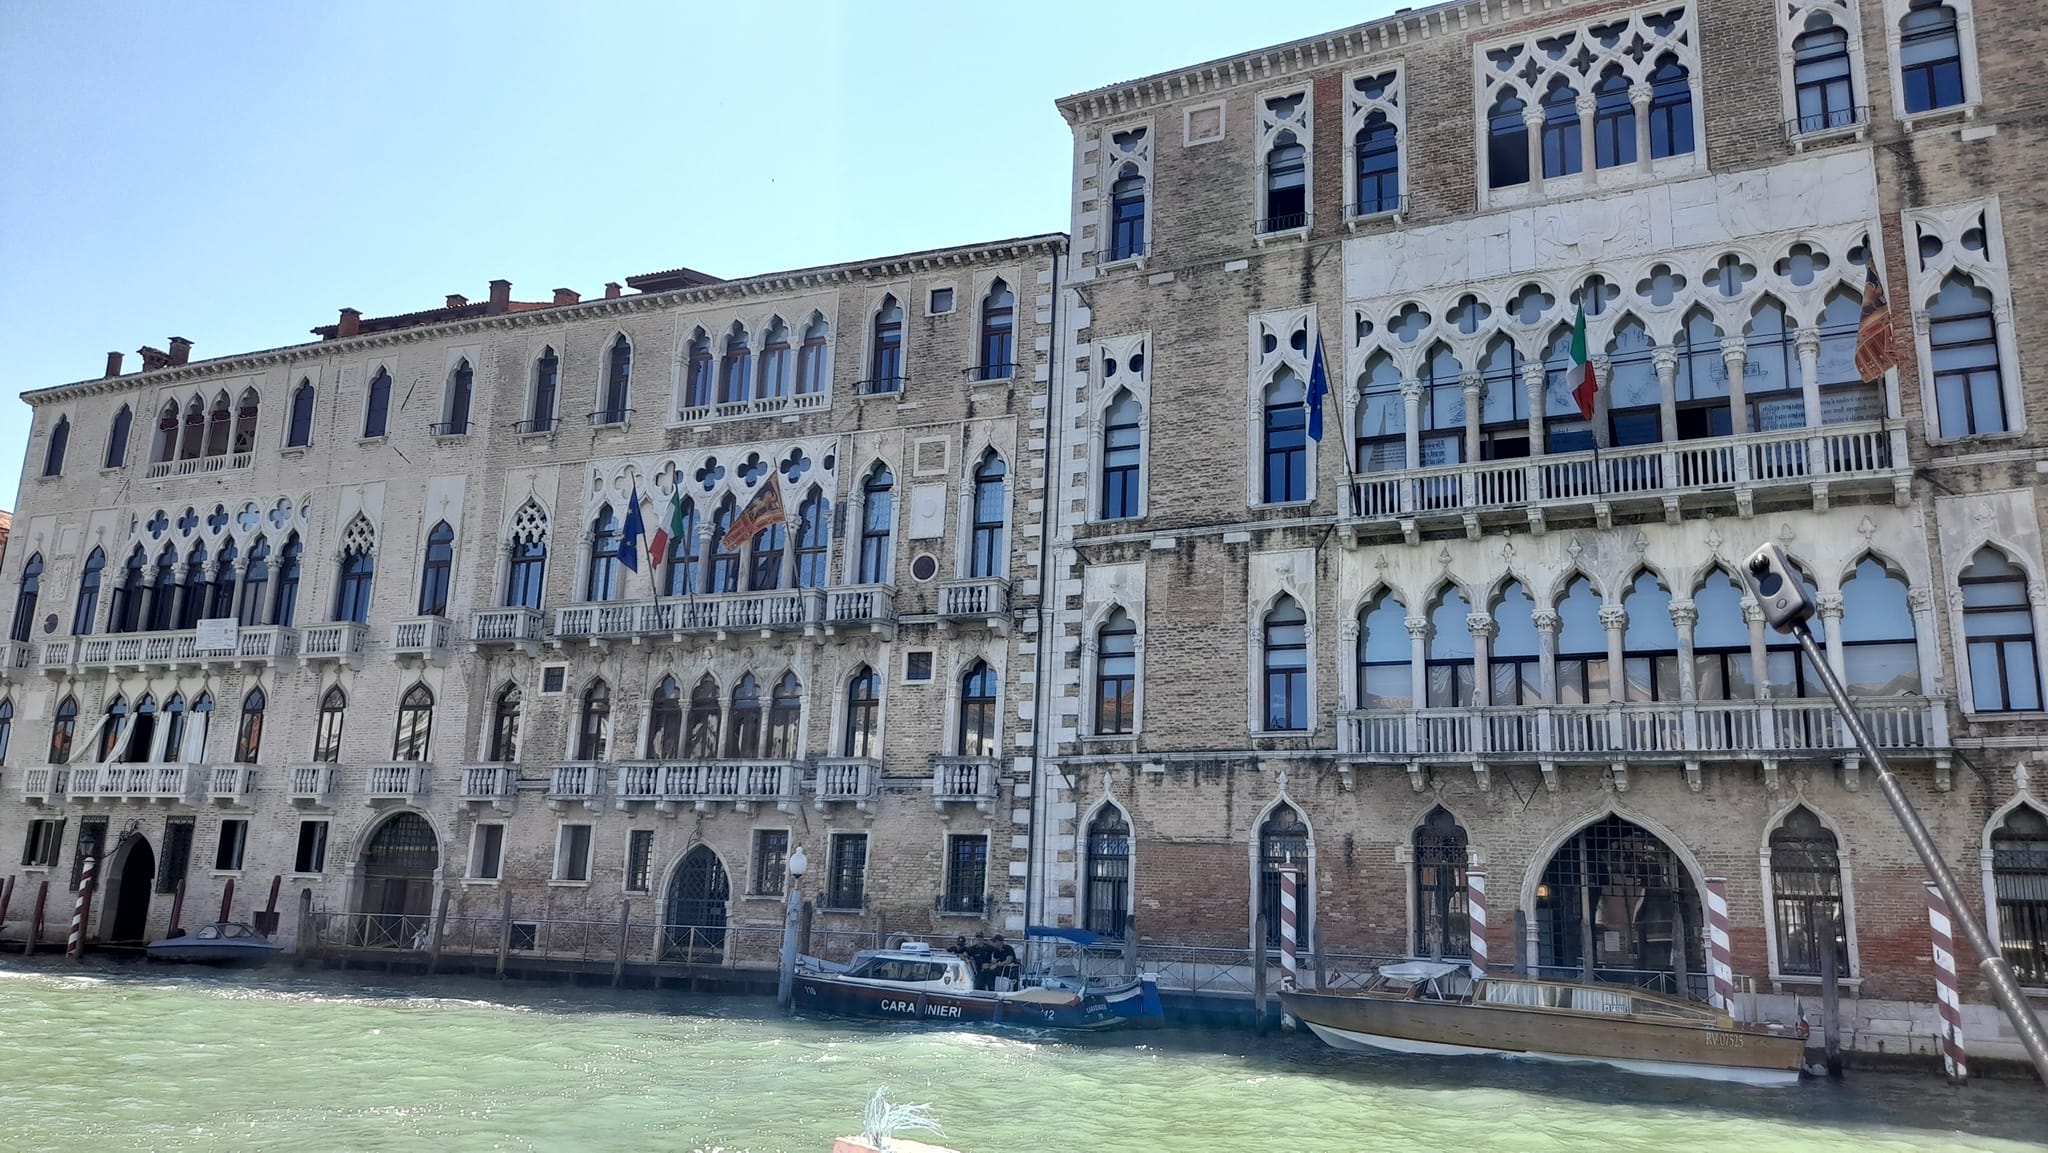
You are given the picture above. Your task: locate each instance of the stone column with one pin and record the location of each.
(1532, 119)
(705, 530)
(1588, 107)
(1734, 354)
(790, 531)
(1806, 342)
(1639, 96)
(1418, 656)
(1759, 662)
(1603, 375)
(1411, 406)
(1684, 615)
(1614, 619)
(1533, 382)
(1829, 608)
(1665, 359)
(1475, 396)
(1483, 628)
(1927, 643)
(1546, 623)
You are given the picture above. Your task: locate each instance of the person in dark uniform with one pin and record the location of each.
(978, 955)
(1002, 963)
(959, 948)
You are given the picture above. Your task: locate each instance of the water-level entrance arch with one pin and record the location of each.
(397, 888)
(130, 878)
(693, 920)
(1616, 903)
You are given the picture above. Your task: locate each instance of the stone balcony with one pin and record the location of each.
(741, 783)
(964, 780)
(861, 608)
(231, 785)
(198, 466)
(492, 785)
(44, 784)
(514, 628)
(719, 615)
(255, 645)
(788, 404)
(310, 786)
(1804, 464)
(845, 780)
(406, 781)
(16, 657)
(160, 783)
(428, 639)
(975, 600)
(576, 783)
(341, 642)
(1620, 737)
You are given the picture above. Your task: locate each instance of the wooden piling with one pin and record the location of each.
(1259, 975)
(1130, 945)
(177, 905)
(6, 897)
(803, 928)
(1830, 1010)
(1322, 969)
(35, 923)
(619, 962)
(504, 933)
(227, 899)
(440, 926)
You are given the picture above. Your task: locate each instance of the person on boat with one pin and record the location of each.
(978, 956)
(959, 948)
(1002, 963)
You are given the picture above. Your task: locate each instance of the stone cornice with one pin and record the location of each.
(936, 260)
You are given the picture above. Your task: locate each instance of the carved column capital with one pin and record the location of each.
(1614, 618)
(1829, 605)
(1418, 627)
(1532, 116)
(1475, 384)
(1752, 612)
(1481, 624)
(1684, 614)
(1806, 342)
(1733, 349)
(1640, 95)
(1411, 390)
(1664, 359)
(1545, 621)
(1587, 104)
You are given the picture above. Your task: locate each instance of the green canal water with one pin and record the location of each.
(121, 1057)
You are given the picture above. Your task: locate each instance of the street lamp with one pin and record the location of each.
(798, 863)
(785, 981)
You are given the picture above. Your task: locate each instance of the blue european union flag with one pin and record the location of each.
(1318, 388)
(629, 548)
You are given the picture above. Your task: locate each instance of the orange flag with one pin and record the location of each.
(764, 510)
(1874, 354)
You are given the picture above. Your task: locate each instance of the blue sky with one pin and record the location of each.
(234, 174)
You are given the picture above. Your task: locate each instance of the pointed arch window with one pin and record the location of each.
(412, 740)
(1442, 928)
(327, 729)
(665, 721)
(1507, 142)
(685, 562)
(1513, 671)
(1121, 452)
(1386, 678)
(1284, 843)
(1116, 675)
(1670, 109)
(165, 446)
(547, 391)
(1614, 120)
(594, 722)
(1504, 413)
(1649, 642)
(286, 610)
(118, 730)
(192, 440)
(1286, 188)
(602, 583)
(1930, 57)
(878, 513)
(436, 570)
(377, 412)
(775, 361)
(743, 734)
(87, 608)
(1127, 216)
(193, 596)
(222, 606)
(25, 599)
(1880, 655)
(63, 730)
(813, 539)
(998, 333)
(863, 715)
(1448, 654)
(724, 576)
(455, 409)
(247, 407)
(1723, 667)
(124, 614)
(1998, 623)
(700, 737)
(249, 733)
(1285, 476)
(977, 736)
(1962, 341)
(117, 437)
(735, 368)
(2019, 884)
(352, 591)
(1821, 87)
(618, 383)
(218, 426)
(255, 584)
(1702, 385)
(764, 557)
(504, 741)
(6, 727)
(785, 709)
(1106, 896)
(1377, 149)
(885, 362)
(53, 455)
(1806, 895)
(1285, 652)
(699, 388)
(299, 425)
(163, 591)
(1561, 155)
(986, 555)
(810, 359)
(525, 571)
(1381, 436)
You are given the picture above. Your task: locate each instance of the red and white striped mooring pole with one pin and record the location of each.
(1288, 929)
(1720, 959)
(81, 908)
(1475, 912)
(1945, 997)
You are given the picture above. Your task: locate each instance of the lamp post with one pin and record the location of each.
(785, 983)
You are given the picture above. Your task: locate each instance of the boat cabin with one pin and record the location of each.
(913, 967)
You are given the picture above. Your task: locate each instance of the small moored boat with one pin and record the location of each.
(221, 943)
(912, 983)
(1431, 1007)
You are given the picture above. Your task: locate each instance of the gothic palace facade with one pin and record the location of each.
(1464, 633)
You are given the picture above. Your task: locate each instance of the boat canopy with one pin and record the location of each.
(1410, 972)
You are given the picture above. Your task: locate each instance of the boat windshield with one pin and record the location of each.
(899, 969)
(209, 933)
(235, 931)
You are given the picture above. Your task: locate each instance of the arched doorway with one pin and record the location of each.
(1616, 904)
(695, 915)
(131, 877)
(398, 883)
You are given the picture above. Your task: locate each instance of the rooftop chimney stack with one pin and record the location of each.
(566, 296)
(351, 323)
(611, 290)
(113, 365)
(181, 350)
(457, 300)
(501, 298)
(153, 358)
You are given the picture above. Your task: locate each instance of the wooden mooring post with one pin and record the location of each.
(1830, 1010)
(1315, 932)
(35, 923)
(434, 936)
(625, 925)
(6, 897)
(504, 933)
(1259, 975)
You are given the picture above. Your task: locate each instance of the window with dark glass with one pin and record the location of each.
(735, 368)
(618, 382)
(1806, 895)
(25, 599)
(436, 569)
(60, 439)
(966, 873)
(977, 737)
(847, 881)
(194, 591)
(228, 850)
(594, 722)
(775, 361)
(1286, 667)
(412, 740)
(1286, 184)
(603, 582)
(287, 607)
(764, 558)
(1614, 120)
(685, 561)
(63, 730)
(1106, 891)
(639, 860)
(771, 861)
(6, 727)
(1821, 86)
(878, 510)
(1127, 216)
(2019, 883)
(455, 413)
(572, 853)
(1285, 476)
(547, 382)
(1377, 149)
(1670, 109)
(327, 729)
(249, 733)
(1998, 622)
(1507, 142)
(785, 708)
(487, 852)
(504, 747)
(1121, 451)
(1116, 675)
(117, 438)
(124, 608)
(743, 733)
(223, 602)
(810, 359)
(724, 576)
(377, 412)
(700, 387)
(1442, 928)
(352, 591)
(1962, 341)
(1702, 383)
(299, 422)
(700, 734)
(525, 571)
(863, 714)
(813, 538)
(163, 591)
(665, 721)
(998, 332)
(986, 555)
(885, 365)
(1561, 155)
(1930, 57)
(311, 856)
(44, 844)
(1283, 843)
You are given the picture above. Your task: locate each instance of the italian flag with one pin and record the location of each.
(670, 527)
(1584, 387)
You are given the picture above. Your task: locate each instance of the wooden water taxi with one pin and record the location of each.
(1433, 1008)
(912, 983)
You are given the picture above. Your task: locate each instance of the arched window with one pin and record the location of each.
(1962, 341)
(63, 730)
(1507, 142)
(1442, 929)
(785, 709)
(810, 359)
(1722, 665)
(1127, 216)
(60, 438)
(685, 562)
(377, 412)
(700, 389)
(1581, 647)
(1770, 373)
(1806, 895)
(1285, 651)
(998, 333)
(1283, 843)
(618, 383)
(218, 426)
(1285, 450)
(1106, 894)
(222, 606)
(1791, 674)
(1116, 675)
(775, 361)
(436, 569)
(725, 562)
(603, 582)
(1504, 412)
(526, 568)
(700, 739)
(1564, 430)
(193, 597)
(299, 425)
(878, 513)
(352, 591)
(1513, 669)
(1702, 385)
(735, 369)
(1649, 643)
(117, 438)
(327, 730)
(986, 556)
(885, 361)
(165, 447)
(1844, 394)
(124, 614)
(813, 539)
(1561, 155)
(192, 441)
(1385, 667)
(255, 584)
(1286, 184)
(1634, 394)
(2005, 665)
(455, 408)
(1377, 148)
(1448, 654)
(547, 389)
(1880, 657)
(412, 740)
(977, 736)
(6, 727)
(743, 734)
(118, 732)
(665, 721)
(1670, 109)
(504, 743)
(1614, 120)
(163, 591)
(764, 558)
(25, 599)
(247, 408)
(1442, 439)
(1121, 452)
(863, 737)
(1381, 444)
(286, 610)
(2019, 882)
(249, 734)
(1820, 76)
(594, 722)
(1930, 57)
(87, 608)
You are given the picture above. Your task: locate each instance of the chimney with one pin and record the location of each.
(153, 358)
(566, 296)
(351, 323)
(501, 298)
(181, 350)
(113, 365)
(611, 290)
(457, 300)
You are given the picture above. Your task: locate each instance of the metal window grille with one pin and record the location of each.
(2019, 877)
(966, 874)
(1441, 855)
(697, 897)
(176, 860)
(1614, 903)
(848, 883)
(1109, 873)
(1283, 839)
(1806, 895)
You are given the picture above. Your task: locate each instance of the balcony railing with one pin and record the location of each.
(198, 466)
(580, 783)
(538, 426)
(1855, 118)
(1639, 474)
(610, 417)
(514, 626)
(309, 784)
(233, 784)
(982, 372)
(870, 607)
(448, 428)
(1377, 206)
(1283, 222)
(845, 779)
(333, 641)
(755, 406)
(780, 610)
(400, 781)
(975, 599)
(880, 386)
(255, 643)
(45, 783)
(426, 637)
(134, 782)
(704, 782)
(491, 783)
(964, 780)
(15, 657)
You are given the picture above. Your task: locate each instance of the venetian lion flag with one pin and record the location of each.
(1874, 353)
(764, 510)
(1584, 386)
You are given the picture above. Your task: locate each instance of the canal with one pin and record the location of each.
(118, 1057)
